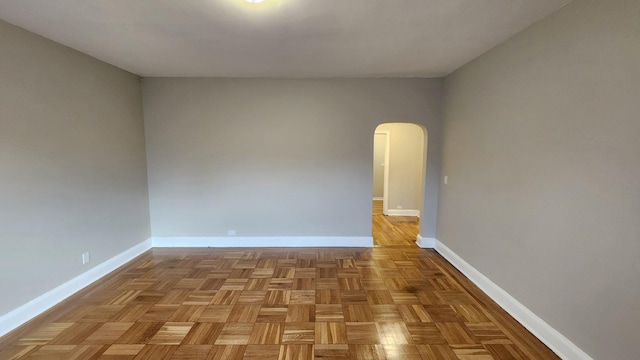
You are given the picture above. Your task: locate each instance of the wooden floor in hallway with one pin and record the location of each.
(285, 304)
(393, 231)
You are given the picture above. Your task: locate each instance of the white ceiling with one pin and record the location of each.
(280, 38)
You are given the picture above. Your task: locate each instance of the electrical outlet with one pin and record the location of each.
(231, 232)
(446, 179)
(85, 258)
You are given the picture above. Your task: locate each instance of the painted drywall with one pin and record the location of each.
(379, 151)
(270, 157)
(406, 165)
(542, 154)
(72, 164)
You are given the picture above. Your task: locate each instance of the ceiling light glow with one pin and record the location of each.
(254, 1)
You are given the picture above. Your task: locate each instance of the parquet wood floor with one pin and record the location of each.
(393, 231)
(285, 304)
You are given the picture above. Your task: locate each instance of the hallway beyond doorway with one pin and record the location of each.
(393, 231)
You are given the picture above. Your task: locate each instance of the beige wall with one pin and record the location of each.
(275, 157)
(406, 165)
(72, 164)
(542, 151)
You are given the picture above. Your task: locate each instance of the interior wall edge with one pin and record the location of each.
(425, 242)
(44, 302)
(558, 343)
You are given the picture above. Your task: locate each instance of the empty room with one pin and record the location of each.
(333, 179)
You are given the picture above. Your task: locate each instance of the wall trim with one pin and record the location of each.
(557, 342)
(425, 243)
(403, 212)
(44, 302)
(264, 241)
(378, 198)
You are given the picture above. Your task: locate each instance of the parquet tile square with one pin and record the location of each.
(401, 352)
(362, 333)
(367, 352)
(350, 284)
(381, 303)
(331, 333)
(280, 284)
(327, 284)
(374, 284)
(140, 333)
(257, 284)
(471, 313)
(185, 283)
(252, 297)
(354, 297)
(266, 273)
(235, 334)
(456, 333)
(227, 352)
(327, 273)
(203, 334)
(74, 334)
(187, 313)
(215, 313)
(303, 297)
(234, 284)
(386, 313)
(191, 352)
(301, 313)
(107, 333)
(329, 313)
(171, 333)
(393, 333)
(226, 297)
(355, 313)
(275, 297)
(244, 313)
(505, 351)
(44, 334)
(403, 297)
(266, 333)
(296, 352)
(299, 333)
(102, 313)
(442, 313)
(304, 284)
(328, 297)
(272, 313)
(305, 273)
(202, 297)
(425, 334)
(262, 352)
(477, 352)
(413, 313)
(123, 350)
(437, 352)
(332, 352)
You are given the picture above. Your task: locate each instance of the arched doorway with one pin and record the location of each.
(399, 163)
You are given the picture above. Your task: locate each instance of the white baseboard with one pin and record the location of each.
(403, 212)
(557, 342)
(378, 198)
(37, 306)
(425, 243)
(262, 241)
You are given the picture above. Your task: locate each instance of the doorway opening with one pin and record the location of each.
(399, 164)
